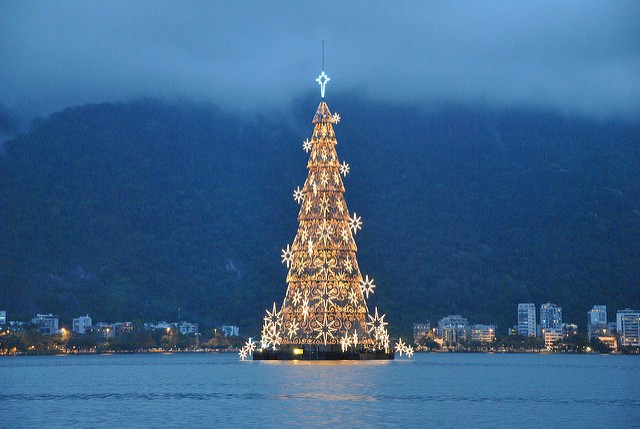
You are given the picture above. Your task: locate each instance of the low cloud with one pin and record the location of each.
(578, 57)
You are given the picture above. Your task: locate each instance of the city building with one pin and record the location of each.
(569, 329)
(527, 319)
(453, 328)
(105, 330)
(420, 331)
(483, 333)
(551, 337)
(47, 323)
(187, 328)
(230, 331)
(597, 322)
(628, 327)
(3, 317)
(81, 324)
(550, 317)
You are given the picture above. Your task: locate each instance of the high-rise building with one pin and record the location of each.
(550, 316)
(81, 324)
(628, 327)
(3, 317)
(527, 319)
(597, 322)
(47, 323)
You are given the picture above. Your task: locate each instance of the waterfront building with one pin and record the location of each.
(420, 331)
(230, 331)
(187, 328)
(551, 337)
(453, 328)
(597, 322)
(628, 327)
(483, 333)
(81, 324)
(47, 323)
(527, 319)
(550, 317)
(3, 317)
(569, 329)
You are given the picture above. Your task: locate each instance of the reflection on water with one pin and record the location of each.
(210, 390)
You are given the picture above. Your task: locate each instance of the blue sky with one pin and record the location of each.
(578, 57)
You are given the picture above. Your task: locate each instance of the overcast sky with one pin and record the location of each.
(575, 56)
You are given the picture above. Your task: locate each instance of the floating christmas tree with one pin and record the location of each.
(324, 314)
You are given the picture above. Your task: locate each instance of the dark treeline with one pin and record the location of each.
(135, 210)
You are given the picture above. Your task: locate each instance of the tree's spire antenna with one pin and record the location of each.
(323, 78)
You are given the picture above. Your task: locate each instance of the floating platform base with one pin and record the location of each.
(301, 354)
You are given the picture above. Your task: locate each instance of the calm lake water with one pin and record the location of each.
(218, 390)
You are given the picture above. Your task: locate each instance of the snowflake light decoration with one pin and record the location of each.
(355, 223)
(336, 118)
(400, 347)
(250, 346)
(344, 168)
(243, 353)
(344, 342)
(297, 297)
(287, 257)
(353, 298)
(307, 145)
(367, 286)
(409, 351)
(298, 195)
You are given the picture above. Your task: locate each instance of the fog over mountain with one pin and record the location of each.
(135, 209)
(578, 57)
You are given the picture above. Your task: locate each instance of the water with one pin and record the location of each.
(217, 390)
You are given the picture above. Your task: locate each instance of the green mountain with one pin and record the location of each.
(136, 210)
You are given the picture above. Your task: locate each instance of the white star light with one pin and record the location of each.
(400, 347)
(306, 145)
(298, 195)
(287, 256)
(367, 286)
(336, 118)
(293, 329)
(344, 168)
(326, 330)
(322, 80)
(243, 354)
(355, 223)
(376, 323)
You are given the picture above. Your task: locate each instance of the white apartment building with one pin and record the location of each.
(81, 324)
(550, 317)
(628, 327)
(597, 322)
(527, 319)
(483, 333)
(47, 323)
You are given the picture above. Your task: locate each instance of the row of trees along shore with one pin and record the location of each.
(29, 340)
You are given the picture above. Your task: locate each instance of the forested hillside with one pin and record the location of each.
(135, 210)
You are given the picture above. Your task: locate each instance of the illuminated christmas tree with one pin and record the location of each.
(324, 314)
